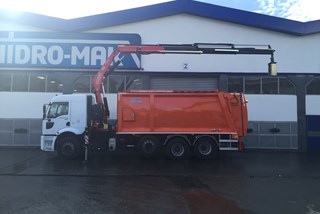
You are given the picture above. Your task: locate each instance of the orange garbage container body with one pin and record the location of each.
(165, 112)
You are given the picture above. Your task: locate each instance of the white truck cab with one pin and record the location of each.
(65, 120)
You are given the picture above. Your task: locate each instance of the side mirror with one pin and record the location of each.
(44, 111)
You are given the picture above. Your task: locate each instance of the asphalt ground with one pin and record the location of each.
(32, 181)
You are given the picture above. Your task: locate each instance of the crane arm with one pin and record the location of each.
(105, 70)
(196, 48)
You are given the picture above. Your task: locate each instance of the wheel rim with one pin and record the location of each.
(205, 148)
(177, 150)
(67, 149)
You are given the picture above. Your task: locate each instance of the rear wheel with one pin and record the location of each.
(178, 149)
(149, 146)
(68, 147)
(206, 148)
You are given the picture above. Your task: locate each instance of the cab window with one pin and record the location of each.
(58, 109)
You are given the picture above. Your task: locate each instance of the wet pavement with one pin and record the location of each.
(32, 181)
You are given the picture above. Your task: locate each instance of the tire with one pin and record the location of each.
(149, 147)
(68, 147)
(206, 148)
(178, 149)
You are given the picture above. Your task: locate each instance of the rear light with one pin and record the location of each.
(235, 136)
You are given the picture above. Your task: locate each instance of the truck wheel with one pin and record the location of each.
(68, 147)
(206, 148)
(178, 149)
(149, 146)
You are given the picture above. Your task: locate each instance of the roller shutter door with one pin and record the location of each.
(193, 84)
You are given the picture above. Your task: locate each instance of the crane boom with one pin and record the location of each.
(196, 48)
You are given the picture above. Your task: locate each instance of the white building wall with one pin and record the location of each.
(273, 108)
(10, 26)
(313, 105)
(23, 104)
(294, 54)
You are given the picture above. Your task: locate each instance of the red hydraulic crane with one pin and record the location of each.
(196, 48)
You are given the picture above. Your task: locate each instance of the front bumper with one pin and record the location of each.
(47, 143)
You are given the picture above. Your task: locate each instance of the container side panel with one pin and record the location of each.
(188, 113)
(175, 112)
(134, 113)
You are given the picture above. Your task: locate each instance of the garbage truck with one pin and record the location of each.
(178, 124)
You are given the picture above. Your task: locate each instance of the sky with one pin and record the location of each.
(299, 10)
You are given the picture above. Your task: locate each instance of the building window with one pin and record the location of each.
(53, 85)
(37, 83)
(115, 83)
(252, 85)
(261, 85)
(235, 84)
(20, 82)
(314, 86)
(269, 85)
(5, 82)
(286, 87)
(82, 85)
(134, 83)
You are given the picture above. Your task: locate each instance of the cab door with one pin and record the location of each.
(57, 118)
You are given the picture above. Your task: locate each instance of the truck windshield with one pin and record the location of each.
(57, 109)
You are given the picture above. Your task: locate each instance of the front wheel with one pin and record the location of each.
(68, 147)
(149, 146)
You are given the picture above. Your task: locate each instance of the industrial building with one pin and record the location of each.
(43, 56)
